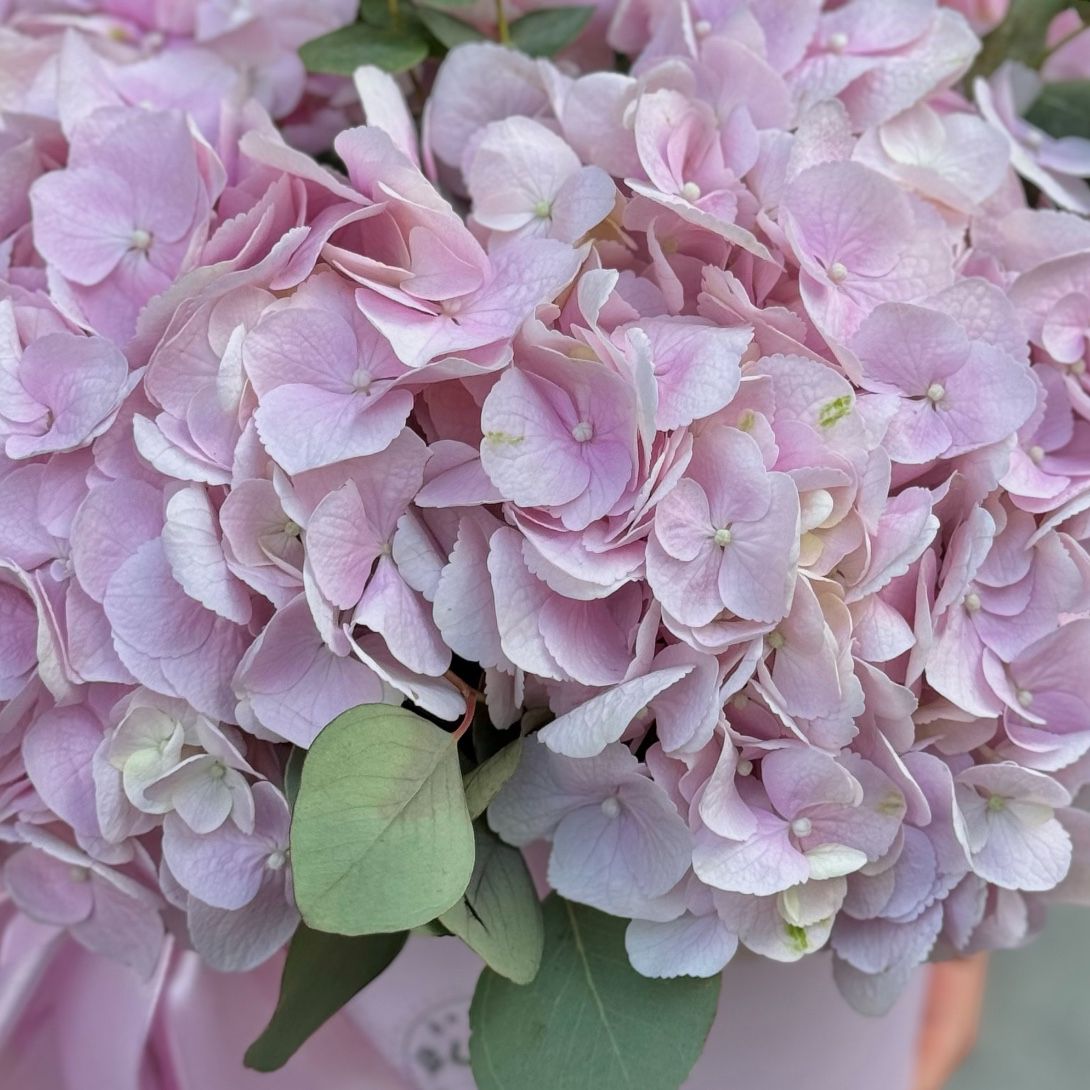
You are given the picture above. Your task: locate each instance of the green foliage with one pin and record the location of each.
(398, 37)
(321, 974)
(546, 32)
(340, 53)
(588, 1021)
(1020, 37)
(1063, 109)
(447, 30)
(293, 773)
(499, 916)
(483, 783)
(381, 838)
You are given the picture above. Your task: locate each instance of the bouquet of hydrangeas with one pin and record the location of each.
(415, 448)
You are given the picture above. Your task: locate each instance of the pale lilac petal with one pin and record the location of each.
(691, 945)
(765, 863)
(194, 552)
(546, 786)
(589, 728)
(292, 684)
(239, 940)
(631, 846)
(48, 889)
(58, 751)
(392, 608)
(757, 573)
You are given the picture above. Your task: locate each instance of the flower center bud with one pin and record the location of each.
(78, 874)
(690, 191)
(292, 528)
(141, 239)
(583, 432)
(972, 601)
(1036, 454)
(838, 42)
(275, 861)
(611, 807)
(1035, 138)
(936, 392)
(543, 210)
(745, 767)
(1078, 367)
(996, 803)
(775, 640)
(1025, 697)
(217, 771)
(361, 381)
(722, 537)
(802, 826)
(838, 272)
(702, 28)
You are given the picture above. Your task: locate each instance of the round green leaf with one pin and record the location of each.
(321, 974)
(343, 51)
(499, 915)
(588, 1021)
(381, 839)
(545, 32)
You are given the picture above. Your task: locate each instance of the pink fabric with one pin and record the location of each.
(72, 1020)
(187, 1028)
(787, 1025)
(778, 1026)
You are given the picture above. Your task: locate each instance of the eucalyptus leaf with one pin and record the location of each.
(340, 53)
(546, 32)
(381, 839)
(483, 783)
(447, 30)
(321, 974)
(293, 773)
(588, 1021)
(377, 12)
(1020, 37)
(1063, 109)
(499, 915)
(433, 928)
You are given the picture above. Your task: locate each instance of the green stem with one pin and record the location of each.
(503, 31)
(395, 14)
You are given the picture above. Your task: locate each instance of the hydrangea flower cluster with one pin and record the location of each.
(734, 420)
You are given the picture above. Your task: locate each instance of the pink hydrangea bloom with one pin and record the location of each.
(726, 546)
(117, 226)
(724, 421)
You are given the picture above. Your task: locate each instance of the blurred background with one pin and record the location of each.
(1036, 1032)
